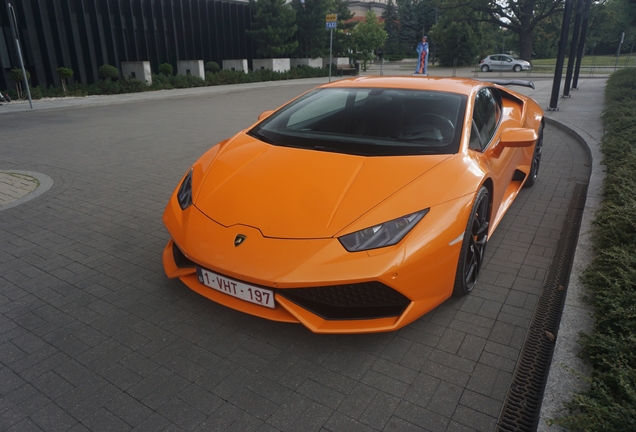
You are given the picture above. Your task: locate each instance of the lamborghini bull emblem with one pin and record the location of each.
(239, 239)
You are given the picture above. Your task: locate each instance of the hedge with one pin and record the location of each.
(610, 402)
(109, 84)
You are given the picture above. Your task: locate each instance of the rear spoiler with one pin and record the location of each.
(505, 82)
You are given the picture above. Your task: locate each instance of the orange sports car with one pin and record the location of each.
(357, 207)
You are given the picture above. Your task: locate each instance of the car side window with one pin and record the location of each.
(475, 141)
(486, 115)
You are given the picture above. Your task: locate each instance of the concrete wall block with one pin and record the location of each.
(275, 64)
(336, 61)
(316, 63)
(139, 70)
(236, 64)
(191, 67)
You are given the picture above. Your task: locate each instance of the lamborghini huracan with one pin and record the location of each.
(357, 207)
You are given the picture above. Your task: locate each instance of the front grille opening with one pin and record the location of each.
(367, 300)
(180, 259)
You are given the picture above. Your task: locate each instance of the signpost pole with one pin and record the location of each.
(330, 51)
(618, 51)
(331, 23)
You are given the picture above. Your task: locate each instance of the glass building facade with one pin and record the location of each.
(86, 34)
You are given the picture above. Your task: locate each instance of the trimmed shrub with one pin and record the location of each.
(36, 92)
(160, 82)
(64, 73)
(108, 86)
(610, 402)
(186, 81)
(111, 83)
(165, 69)
(12, 93)
(108, 72)
(212, 66)
(16, 75)
(132, 85)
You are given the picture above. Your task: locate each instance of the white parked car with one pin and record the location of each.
(503, 62)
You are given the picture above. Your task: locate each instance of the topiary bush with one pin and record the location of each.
(17, 76)
(165, 69)
(212, 66)
(108, 72)
(64, 73)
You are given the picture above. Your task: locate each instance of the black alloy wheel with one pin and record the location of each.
(473, 250)
(536, 161)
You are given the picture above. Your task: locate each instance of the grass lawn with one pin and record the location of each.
(590, 65)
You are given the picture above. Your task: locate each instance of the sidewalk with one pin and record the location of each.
(578, 115)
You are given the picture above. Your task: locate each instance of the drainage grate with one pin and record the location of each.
(523, 403)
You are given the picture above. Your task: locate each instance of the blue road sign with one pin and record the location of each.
(332, 25)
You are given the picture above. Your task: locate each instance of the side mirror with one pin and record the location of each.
(518, 137)
(265, 114)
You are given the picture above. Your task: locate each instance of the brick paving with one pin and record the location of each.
(93, 336)
(14, 186)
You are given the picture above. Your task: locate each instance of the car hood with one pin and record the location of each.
(295, 193)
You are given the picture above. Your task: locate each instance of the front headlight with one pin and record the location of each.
(184, 195)
(386, 234)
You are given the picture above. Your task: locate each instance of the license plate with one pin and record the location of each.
(235, 288)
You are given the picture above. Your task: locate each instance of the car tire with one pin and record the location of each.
(517, 68)
(485, 68)
(536, 161)
(471, 257)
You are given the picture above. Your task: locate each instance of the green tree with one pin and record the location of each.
(392, 28)
(16, 75)
(457, 42)
(608, 20)
(519, 16)
(64, 73)
(368, 36)
(410, 33)
(313, 38)
(342, 41)
(273, 28)
(425, 14)
(546, 37)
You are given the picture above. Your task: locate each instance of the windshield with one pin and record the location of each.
(369, 122)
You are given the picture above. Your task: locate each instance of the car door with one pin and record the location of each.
(497, 62)
(484, 141)
(507, 63)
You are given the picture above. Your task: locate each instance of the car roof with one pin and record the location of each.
(444, 84)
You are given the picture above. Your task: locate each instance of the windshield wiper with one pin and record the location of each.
(262, 138)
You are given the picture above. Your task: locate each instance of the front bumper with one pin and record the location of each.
(316, 282)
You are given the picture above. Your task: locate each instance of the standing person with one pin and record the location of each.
(422, 56)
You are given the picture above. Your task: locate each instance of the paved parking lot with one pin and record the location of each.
(93, 336)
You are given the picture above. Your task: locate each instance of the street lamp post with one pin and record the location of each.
(14, 34)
